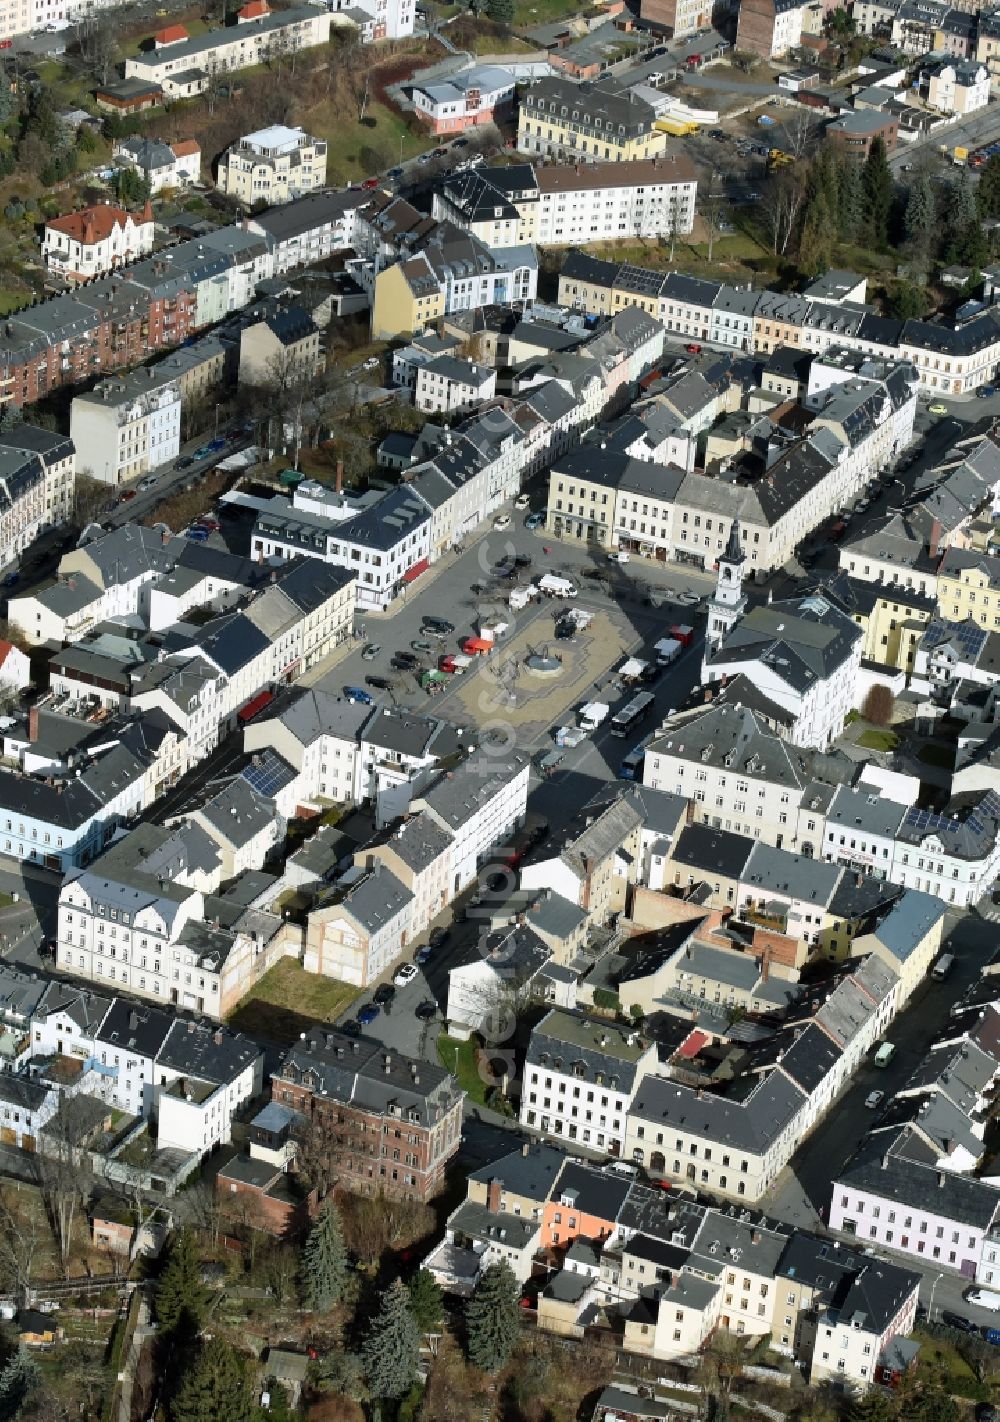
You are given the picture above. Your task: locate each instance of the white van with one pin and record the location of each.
(885, 1054)
(943, 967)
(984, 1298)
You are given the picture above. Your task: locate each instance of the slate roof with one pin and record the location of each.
(733, 738)
(961, 1198)
(749, 1124)
(586, 1047)
(366, 1073)
(528, 1172)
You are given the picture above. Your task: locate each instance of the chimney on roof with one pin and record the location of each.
(33, 723)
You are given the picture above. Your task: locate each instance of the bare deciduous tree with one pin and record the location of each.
(20, 1241)
(62, 1180)
(782, 208)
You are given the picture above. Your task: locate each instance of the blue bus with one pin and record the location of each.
(631, 766)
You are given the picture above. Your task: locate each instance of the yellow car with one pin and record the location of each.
(937, 408)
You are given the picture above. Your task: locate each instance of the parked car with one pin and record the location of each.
(404, 974)
(424, 955)
(534, 520)
(394, 173)
(370, 184)
(357, 693)
(424, 648)
(372, 363)
(11, 580)
(380, 683)
(197, 534)
(147, 482)
(937, 408)
(206, 521)
(370, 651)
(426, 1009)
(438, 937)
(437, 624)
(501, 522)
(693, 348)
(405, 660)
(618, 556)
(959, 1321)
(366, 1015)
(874, 1099)
(522, 502)
(126, 495)
(460, 143)
(522, 560)
(384, 993)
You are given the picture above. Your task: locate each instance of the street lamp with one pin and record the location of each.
(930, 1306)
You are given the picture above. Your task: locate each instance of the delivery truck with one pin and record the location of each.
(552, 586)
(594, 714)
(682, 633)
(455, 663)
(569, 736)
(520, 597)
(667, 650)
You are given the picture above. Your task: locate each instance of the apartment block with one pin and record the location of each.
(273, 165)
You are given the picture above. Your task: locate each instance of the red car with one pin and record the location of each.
(693, 348)
(212, 524)
(369, 184)
(125, 495)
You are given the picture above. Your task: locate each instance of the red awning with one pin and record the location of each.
(412, 573)
(692, 1044)
(252, 708)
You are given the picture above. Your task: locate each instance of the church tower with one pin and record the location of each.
(729, 602)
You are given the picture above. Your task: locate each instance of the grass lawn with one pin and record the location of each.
(288, 1000)
(541, 12)
(358, 151)
(878, 739)
(942, 756)
(940, 1360)
(460, 1059)
(5, 900)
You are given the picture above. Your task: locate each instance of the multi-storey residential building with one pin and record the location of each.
(446, 384)
(566, 121)
(37, 479)
(127, 426)
(803, 655)
(735, 773)
(281, 349)
(968, 587)
(769, 28)
(386, 543)
(95, 240)
(954, 88)
(388, 1123)
(146, 916)
(182, 67)
(273, 165)
(954, 359)
(581, 1075)
(451, 272)
(562, 205)
(162, 165)
(483, 94)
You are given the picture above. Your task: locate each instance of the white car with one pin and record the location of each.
(501, 521)
(874, 1099)
(372, 363)
(404, 975)
(522, 501)
(618, 557)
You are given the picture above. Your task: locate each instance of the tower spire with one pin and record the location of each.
(729, 602)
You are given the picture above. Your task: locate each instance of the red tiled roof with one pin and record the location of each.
(184, 147)
(94, 224)
(173, 34)
(254, 9)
